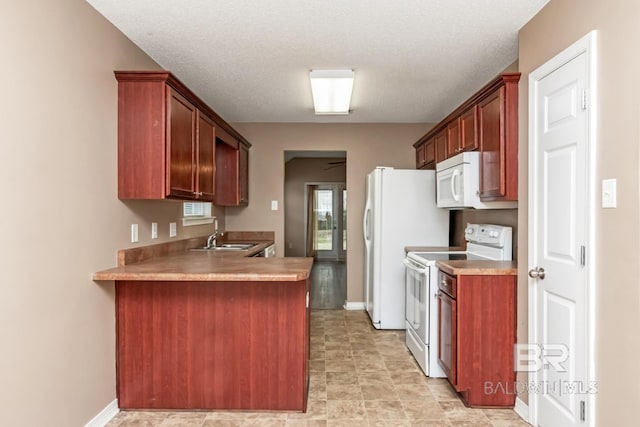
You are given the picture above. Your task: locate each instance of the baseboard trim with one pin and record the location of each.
(522, 409)
(354, 305)
(106, 415)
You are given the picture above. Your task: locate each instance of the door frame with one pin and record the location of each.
(586, 45)
(341, 255)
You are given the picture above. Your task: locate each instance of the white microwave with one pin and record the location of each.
(457, 180)
(458, 184)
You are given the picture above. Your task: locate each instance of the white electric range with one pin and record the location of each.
(484, 242)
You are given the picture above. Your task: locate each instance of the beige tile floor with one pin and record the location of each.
(359, 377)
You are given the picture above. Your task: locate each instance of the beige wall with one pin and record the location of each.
(298, 172)
(61, 219)
(616, 250)
(367, 146)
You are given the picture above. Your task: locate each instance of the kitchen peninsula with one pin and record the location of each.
(210, 329)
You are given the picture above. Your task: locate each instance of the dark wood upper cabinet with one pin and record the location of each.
(206, 161)
(244, 175)
(232, 173)
(492, 163)
(498, 136)
(426, 155)
(440, 142)
(461, 133)
(420, 156)
(488, 122)
(430, 153)
(167, 139)
(181, 147)
(453, 137)
(468, 129)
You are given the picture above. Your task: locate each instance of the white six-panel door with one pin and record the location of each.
(558, 241)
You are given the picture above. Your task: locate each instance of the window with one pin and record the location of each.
(196, 213)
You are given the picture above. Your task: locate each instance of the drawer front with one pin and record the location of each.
(447, 284)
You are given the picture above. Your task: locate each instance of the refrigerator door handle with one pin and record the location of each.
(365, 223)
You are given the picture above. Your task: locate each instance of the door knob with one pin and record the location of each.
(537, 273)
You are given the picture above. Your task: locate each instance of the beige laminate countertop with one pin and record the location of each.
(206, 266)
(478, 268)
(161, 264)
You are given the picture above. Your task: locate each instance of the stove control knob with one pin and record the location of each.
(468, 230)
(493, 233)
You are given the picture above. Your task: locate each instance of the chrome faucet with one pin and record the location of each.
(211, 240)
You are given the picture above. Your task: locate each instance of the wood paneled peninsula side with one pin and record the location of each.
(211, 330)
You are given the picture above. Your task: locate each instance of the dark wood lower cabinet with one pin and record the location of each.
(477, 315)
(447, 351)
(212, 345)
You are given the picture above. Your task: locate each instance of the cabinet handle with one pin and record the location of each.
(197, 193)
(444, 282)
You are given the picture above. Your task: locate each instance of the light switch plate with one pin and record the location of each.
(609, 196)
(274, 205)
(154, 230)
(134, 233)
(173, 230)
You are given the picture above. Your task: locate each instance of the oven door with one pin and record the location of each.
(417, 285)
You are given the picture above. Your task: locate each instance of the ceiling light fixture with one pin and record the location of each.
(331, 90)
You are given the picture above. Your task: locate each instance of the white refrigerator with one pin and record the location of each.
(400, 211)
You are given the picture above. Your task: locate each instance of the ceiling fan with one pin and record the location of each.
(336, 164)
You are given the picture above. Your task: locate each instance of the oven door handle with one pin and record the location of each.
(413, 267)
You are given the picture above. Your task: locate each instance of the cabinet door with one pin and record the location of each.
(420, 156)
(227, 167)
(243, 175)
(447, 336)
(453, 138)
(468, 134)
(492, 159)
(430, 153)
(181, 170)
(206, 162)
(440, 141)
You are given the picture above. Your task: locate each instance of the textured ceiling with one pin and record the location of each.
(415, 60)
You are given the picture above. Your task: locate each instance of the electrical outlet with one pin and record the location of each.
(274, 205)
(173, 230)
(154, 230)
(134, 233)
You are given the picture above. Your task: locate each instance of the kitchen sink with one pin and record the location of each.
(240, 246)
(227, 247)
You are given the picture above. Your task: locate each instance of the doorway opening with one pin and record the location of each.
(315, 213)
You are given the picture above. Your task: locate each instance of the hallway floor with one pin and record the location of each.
(359, 377)
(328, 285)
